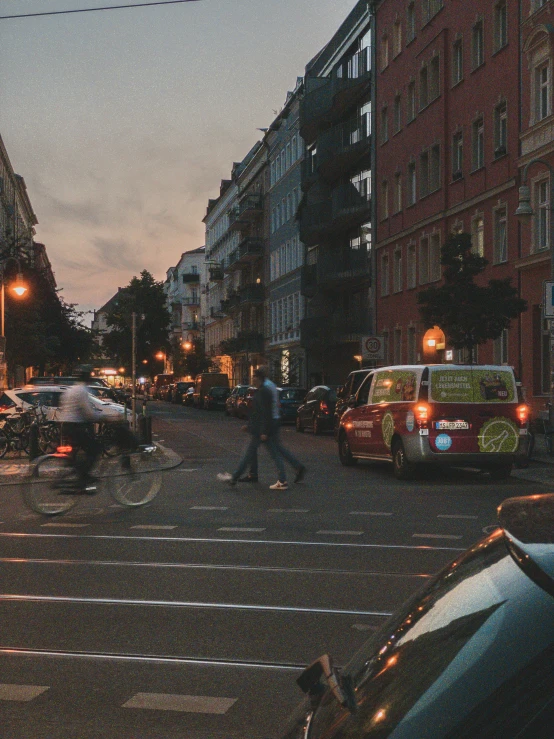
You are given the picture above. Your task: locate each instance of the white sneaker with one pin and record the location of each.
(224, 476)
(279, 486)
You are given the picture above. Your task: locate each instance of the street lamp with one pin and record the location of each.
(187, 345)
(162, 355)
(524, 213)
(19, 288)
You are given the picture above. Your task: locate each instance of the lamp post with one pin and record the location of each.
(19, 288)
(524, 213)
(162, 355)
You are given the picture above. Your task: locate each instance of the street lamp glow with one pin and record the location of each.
(160, 355)
(187, 346)
(19, 287)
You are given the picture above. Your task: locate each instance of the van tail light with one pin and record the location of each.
(64, 449)
(324, 407)
(422, 414)
(522, 413)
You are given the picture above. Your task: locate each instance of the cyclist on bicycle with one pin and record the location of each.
(78, 414)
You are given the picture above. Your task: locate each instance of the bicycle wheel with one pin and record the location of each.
(49, 437)
(137, 485)
(42, 492)
(4, 444)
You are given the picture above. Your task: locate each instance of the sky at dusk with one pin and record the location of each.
(123, 123)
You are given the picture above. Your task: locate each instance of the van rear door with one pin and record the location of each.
(473, 410)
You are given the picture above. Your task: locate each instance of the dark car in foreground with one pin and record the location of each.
(290, 398)
(215, 398)
(471, 656)
(317, 410)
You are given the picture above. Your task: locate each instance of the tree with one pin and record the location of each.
(145, 297)
(192, 361)
(468, 313)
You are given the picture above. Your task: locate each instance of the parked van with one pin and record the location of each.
(456, 415)
(204, 382)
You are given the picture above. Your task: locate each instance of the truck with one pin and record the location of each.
(204, 382)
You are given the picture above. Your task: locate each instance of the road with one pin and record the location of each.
(193, 616)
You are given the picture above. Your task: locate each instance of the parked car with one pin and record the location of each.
(450, 415)
(188, 397)
(468, 657)
(204, 382)
(231, 403)
(244, 403)
(317, 410)
(215, 398)
(346, 395)
(49, 397)
(179, 391)
(290, 398)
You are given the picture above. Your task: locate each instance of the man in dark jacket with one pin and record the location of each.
(261, 427)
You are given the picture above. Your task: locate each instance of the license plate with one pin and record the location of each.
(452, 425)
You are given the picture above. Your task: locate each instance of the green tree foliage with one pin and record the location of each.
(468, 313)
(145, 297)
(191, 362)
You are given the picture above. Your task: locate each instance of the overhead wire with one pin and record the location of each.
(93, 10)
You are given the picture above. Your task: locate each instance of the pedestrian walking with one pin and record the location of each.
(263, 427)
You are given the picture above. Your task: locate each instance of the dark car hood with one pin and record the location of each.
(528, 524)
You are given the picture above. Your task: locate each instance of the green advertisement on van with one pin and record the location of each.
(472, 385)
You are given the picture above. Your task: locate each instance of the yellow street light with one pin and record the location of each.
(19, 287)
(187, 346)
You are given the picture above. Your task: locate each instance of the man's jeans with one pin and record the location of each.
(276, 450)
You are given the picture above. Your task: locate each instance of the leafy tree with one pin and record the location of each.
(145, 297)
(192, 362)
(468, 313)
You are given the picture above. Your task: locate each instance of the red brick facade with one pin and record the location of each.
(448, 128)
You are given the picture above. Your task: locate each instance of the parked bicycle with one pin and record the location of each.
(131, 479)
(14, 433)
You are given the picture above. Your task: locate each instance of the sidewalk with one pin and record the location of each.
(541, 467)
(19, 467)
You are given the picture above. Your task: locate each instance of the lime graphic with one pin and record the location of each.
(387, 428)
(498, 435)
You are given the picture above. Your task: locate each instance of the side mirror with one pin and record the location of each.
(352, 400)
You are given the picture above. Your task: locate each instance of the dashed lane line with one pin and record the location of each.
(436, 536)
(288, 510)
(444, 515)
(341, 533)
(22, 693)
(154, 527)
(370, 513)
(238, 528)
(209, 508)
(181, 703)
(60, 525)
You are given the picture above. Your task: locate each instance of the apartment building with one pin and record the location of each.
(335, 214)
(17, 218)
(183, 287)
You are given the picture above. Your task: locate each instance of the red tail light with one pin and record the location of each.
(64, 449)
(324, 407)
(422, 414)
(522, 413)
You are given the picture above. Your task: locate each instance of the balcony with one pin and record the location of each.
(321, 332)
(249, 250)
(193, 325)
(341, 148)
(216, 274)
(251, 342)
(249, 209)
(252, 294)
(349, 327)
(314, 220)
(341, 267)
(351, 205)
(308, 280)
(191, 277)
(231, 302)
(193, 300)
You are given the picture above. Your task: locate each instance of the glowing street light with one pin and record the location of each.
(187, 345)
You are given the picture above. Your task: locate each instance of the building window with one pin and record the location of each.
(478, 236)
(410, 22)
(435, 272)
(385, 52)
(411, 273)
(287, 157)
(397, 113)
(412, 345)
(424, 260)
(396, 38)
(435, 168)
(500, 25)
(478, 135)
(542, 91)
(384, 274)
(477, 45)
(412, 193)
(429, 8)
(397, 192)
(434, 78)
(500, 129)
(500, 246)
(397, 340)
(457, 62)
(457, 155)
(411, 101)
(384, 199)
(424, 174)
(397, 271)
(500, 348)
(384, 125)
(542, 219)
(423, 87)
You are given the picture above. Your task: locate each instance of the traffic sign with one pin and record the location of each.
(548, 300)
(373, 348)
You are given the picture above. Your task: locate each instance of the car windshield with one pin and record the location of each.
(41, 397)
(469, 619)
(291, 394)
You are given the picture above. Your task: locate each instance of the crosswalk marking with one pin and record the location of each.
(66, 525)
(238, 528)
(22, 693)
(209, 508)
(370, 513)
(183, 703)
(288, 510)
(152, 526)
(457, 516)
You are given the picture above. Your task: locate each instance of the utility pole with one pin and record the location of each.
(134, 370)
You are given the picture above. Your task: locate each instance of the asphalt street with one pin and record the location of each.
(193, 616)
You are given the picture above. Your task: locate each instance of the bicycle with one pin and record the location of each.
(131, 479)
(14, 434)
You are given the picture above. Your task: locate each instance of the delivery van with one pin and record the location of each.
(455, 415)
(204, 382)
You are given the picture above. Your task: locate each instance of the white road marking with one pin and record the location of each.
(209, 508)
(457, 516)
(237, 528)
(186, 469)
(370, 513)
(23, 693)
(341, 533)
(183, 703)
(288, 510)
(435, 536)
(152, 526)
(66, 525)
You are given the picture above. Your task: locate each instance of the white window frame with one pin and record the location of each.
(424, 263)
(385, 277)
(478, 143)
(500, 25)
(478, 44)
(478, 234)
(457, 61)
(541, 229)
(397, 277)
(500, 234)
(411, 266)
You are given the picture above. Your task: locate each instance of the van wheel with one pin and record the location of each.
(299, 426)
(403, 470)
(500, 472)
(316, 427)
(345, 455)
